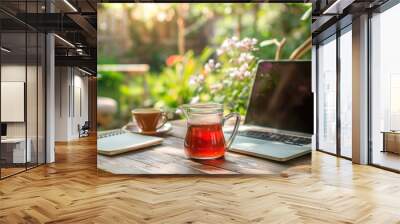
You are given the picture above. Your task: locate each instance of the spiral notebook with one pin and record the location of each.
(118, 141)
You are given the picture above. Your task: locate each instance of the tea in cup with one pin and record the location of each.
(149, 119)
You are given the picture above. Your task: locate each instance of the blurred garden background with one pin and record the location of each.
(165, 55)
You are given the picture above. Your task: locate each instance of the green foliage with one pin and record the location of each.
(115, 85)
(171, 88)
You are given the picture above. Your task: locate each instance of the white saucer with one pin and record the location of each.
(131, 127)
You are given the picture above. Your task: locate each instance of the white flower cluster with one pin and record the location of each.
(247, 44)
(233, 43)
(196, 79)
(240, 72)
(211, 66)
(245, 58)
(240, 57)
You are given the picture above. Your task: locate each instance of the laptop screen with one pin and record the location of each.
(281, 97)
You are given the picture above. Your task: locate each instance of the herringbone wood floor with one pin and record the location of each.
(72, 191)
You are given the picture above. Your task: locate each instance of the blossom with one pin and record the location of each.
(227, 45)
(232, 44)
(247, 44)
(243, 67)
(234, 73)
(173, 59)
(211, 66)
(247, 74)
(245, 58)
(196, 79)
(195, 99)
(240, 72)
(220, 51)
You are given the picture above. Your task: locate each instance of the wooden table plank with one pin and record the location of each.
(170, 158)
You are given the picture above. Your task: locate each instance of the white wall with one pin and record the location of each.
(62, 81)
(12, 73)
(80, 110)
(33, 127)
(71, 102)
(16, 73)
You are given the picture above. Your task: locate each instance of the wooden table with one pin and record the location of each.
(170, 158)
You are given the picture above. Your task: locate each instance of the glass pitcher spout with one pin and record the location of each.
(184, 108)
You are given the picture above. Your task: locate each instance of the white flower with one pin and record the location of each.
(247, 74)
(233, 72)
(195, 99)
(211, 66)
(247, 44)
(207, 68)
(228, 45)
(245, 58)
(233, 43)
(244, 68)
(240, 72)
(196, 79)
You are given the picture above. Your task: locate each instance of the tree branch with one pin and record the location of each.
(301, 50)
(279, 48)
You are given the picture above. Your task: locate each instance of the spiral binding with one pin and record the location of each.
(111, 133)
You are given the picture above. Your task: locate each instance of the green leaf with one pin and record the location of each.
(267, 42)
(306, 14)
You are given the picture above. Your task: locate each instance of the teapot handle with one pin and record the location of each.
(235, 129)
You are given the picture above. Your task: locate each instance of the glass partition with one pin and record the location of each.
(15, 152)
(41, 97)
(346, 93)
(327, 96)
(22, 88)
(32, 97)
(385, 89)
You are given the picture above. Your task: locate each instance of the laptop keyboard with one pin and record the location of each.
(292, 140)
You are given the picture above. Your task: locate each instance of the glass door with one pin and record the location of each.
(385, 89)
(22, 101)
(327, 96)
(334, 97)
(15, 150)
(345, 92)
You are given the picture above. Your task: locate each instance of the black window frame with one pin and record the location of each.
(332, 33)
(29, 30)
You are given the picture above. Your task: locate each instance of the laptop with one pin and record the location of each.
(279, 120)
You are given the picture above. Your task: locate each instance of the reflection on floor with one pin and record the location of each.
(72, 191)
(11, 169)
(387, 159)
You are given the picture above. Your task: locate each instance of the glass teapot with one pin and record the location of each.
(204, 137)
